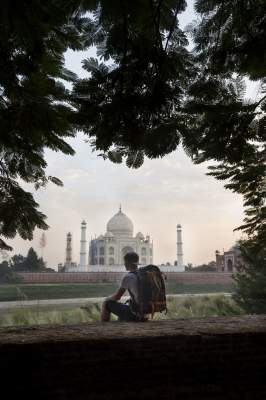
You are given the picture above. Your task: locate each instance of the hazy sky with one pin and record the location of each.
(156, 197)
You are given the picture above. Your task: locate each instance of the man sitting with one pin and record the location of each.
(129, 282)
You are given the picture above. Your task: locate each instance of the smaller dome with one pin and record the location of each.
(140, 235)
(100, 237)
(178, 226)
(109, 235)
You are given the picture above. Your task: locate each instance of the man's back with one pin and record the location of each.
(130, 283)
(146, 289)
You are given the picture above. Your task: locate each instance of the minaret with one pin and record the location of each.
(179, 246)
(83, 253)
(69, 249)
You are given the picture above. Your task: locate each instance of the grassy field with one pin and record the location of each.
(181, 307)
(181, 288)
(20, 292)
(55, 291)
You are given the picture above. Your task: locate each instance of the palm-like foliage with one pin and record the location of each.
(129, 105)
(34, 109)
(230, 39)
(231, 36)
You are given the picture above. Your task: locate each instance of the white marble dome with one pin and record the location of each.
(120, 225)
(140, 235)
(109, 235)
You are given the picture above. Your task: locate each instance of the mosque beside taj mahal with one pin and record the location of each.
(106, 252)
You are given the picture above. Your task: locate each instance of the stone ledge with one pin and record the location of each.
(198, 359)
(125, 331)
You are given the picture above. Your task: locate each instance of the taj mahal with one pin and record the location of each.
(106, 252)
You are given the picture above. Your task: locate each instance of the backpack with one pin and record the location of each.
(151, 291)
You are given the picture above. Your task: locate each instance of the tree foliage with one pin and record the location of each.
(133, 107)
(251, 276)
(145, 93)
(248, 177)
(16, 262)
(157, 95)
(229, 40)
(231, 36)
(34, 103)
(210, 267)
(7, 275)
(30, 263)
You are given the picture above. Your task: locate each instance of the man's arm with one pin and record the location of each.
(105, 314)
(117, 295)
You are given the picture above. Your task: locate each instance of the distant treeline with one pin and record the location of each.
(210, 267)
(19, 263)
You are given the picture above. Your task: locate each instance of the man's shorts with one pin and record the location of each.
(122, 311)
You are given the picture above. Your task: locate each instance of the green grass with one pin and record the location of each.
(20, 292)
(36, 315)
(200, 306)
(189, 288)
(181, 307)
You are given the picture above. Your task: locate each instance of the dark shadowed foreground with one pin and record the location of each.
(199, 359)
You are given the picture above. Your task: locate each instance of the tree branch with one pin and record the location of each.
(260, 101)
(171, 30)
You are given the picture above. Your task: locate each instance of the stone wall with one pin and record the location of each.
(198, 359)
(68, 277)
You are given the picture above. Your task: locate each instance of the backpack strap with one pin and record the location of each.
(152, 313)
(132, 303)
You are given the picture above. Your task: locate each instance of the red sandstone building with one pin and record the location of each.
(229, 260)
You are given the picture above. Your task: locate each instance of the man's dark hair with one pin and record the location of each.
(131, 258)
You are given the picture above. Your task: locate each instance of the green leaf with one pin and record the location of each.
(135, 159)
